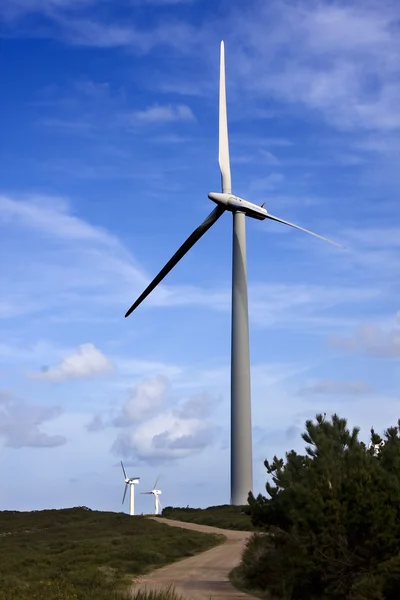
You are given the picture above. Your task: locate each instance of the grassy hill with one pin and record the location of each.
(84, 554)
(224, 516)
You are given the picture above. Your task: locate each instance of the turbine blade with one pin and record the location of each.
(223, 150)
(302, 229)
(155, 485)
(146, 492)
(122, 465)
(123, 498)
(191, 240)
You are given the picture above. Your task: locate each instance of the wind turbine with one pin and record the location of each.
(241, 435)
(156, 493)
(131, 482)
(376, 447)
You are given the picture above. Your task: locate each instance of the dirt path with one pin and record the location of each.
(205, 576)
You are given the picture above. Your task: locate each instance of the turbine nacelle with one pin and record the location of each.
(237, 204)
(129, 480)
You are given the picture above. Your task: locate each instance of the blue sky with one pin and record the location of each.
(108, 150)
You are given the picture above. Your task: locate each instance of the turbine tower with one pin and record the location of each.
(156, 493)
(131, 482)
(241, 432)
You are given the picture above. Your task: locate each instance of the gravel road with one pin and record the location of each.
(201, 577)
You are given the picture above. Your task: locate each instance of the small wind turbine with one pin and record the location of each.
(131, 482)
(156, 493)
(241, 438)
(376, 447)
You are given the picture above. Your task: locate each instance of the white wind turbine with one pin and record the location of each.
(156, 493)
(377, 447)
(131, 482)
(241, 433)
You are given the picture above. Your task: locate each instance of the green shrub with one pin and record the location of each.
(335, 516)
(224, 516)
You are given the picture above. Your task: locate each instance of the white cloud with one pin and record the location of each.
(372, 340)
(163, 438)
(198, 406)
(163, 114)
(156, 428)
(20, 423)
(329, 386)
(96, 424)
(86, 361)
(145, 399)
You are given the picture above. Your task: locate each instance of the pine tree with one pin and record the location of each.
(335, 515)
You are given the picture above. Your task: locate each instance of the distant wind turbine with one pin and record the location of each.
(130, 482)
(155, 492)
(241, 434)
(376, 447)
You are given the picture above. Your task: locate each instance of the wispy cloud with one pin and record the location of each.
(269, 183)
(20, 423)
(135, 367)
(98, 271)
(330, 386)
(340, 59)
(51, 215)
(68, 125)
(19, 8)
(91, 262)
(163, 114)
(163, 2)
(87, 31)
(372, 340)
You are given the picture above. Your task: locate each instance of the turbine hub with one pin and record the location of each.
(235, 204)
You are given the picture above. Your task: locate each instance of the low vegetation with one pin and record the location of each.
(86, 555)
(225, 516)
(167, 594)
(334, 516)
